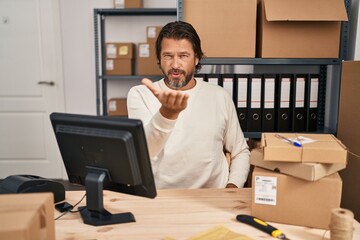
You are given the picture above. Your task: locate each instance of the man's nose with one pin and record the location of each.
(175, 63)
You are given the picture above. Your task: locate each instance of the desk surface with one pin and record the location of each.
(179, 214)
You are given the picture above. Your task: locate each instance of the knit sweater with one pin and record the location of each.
(189, 152)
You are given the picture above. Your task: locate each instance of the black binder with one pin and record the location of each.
(298, 103)
(254, 100)
(213, 78)
(227, 82)
(241, 96)
(283, 103)
(268, 103)
(312, 102)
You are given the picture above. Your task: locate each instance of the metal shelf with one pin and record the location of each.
(270, 61)
(137, 12)
(129, 77)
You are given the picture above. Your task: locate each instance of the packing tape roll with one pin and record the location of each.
(341, 224)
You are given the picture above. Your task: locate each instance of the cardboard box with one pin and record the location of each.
(117, 107)
(300, 29)
(152, 32)
(349, 133)
(326, 148)
(146, 60)
(128, 3)
(226, 28)
(284, 199)
(306, 171)
(33, 214)
(122, 66)
(20, 225)
(120, 50)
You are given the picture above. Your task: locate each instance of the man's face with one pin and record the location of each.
(177, 62)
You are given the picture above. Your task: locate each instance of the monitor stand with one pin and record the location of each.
(94, 212)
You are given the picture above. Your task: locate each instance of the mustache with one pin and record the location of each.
(176, 71)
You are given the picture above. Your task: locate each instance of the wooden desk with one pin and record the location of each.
(179, 214)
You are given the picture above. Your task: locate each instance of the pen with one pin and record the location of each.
(295, 143)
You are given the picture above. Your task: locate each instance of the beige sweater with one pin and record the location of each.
(189, 152)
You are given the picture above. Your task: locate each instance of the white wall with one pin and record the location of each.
(77, 25)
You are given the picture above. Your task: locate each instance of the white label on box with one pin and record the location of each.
(112, 106)
(144, 50)
(265, 190)
(109, 64)
(119, 3)
(151, 32)
(111, 51)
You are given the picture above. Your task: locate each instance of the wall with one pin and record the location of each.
(77, 24)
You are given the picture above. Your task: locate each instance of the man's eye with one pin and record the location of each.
(167, 57)
(184, 56)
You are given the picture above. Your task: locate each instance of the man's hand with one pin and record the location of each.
(172, 101)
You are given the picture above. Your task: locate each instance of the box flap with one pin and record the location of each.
(305, 10)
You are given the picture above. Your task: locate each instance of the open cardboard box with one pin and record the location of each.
(306, 171)
(300, 29)
(326, 148)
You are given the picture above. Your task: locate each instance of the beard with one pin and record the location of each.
(177, 82)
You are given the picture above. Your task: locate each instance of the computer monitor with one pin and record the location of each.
(102, 152)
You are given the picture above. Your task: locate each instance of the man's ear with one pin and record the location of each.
(196, 61)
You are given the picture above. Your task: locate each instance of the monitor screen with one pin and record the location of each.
(102, 152)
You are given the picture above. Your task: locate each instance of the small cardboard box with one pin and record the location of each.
(120, 66)
(226, 28)
(306, 171)
(146, 60)
(326, 148)
(300, 29)
(40, 204)
(17, 225)
(128, 3)
(120, 50)
(152, 32)
(117, 107)
(284, 199)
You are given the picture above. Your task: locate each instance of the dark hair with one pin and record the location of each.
(180, 30)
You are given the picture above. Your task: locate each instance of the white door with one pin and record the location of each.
(31, 87)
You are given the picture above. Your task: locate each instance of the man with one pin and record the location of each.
(188, 123)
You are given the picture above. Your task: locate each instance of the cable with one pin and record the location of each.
(64, 213)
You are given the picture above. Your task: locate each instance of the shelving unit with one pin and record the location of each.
(329, 82)
(329, 70)
(100, 48)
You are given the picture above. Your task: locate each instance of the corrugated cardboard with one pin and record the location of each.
(226, 28)
(120, 50)
(326, 149)
(152, 32)
(38, 203)
(306, 171)
(300, 29)
(17, 225)
(285, 199)
(117, 107)
(128, 3)
(146, 60)
(349, 133)
(120, 66)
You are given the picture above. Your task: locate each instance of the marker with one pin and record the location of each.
(295, 143)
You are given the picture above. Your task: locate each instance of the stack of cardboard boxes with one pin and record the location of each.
(297, 185)
(119, 58)
(147, 63)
